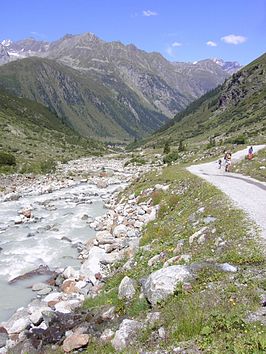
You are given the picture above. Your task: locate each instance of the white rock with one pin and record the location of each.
(226, 267)
(107, 335)
(70, 272)
(162, 283)
(127, 288)
(197, 234)
(53, 297)
(126, 334)
(120, 231)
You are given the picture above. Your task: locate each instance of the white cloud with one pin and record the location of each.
(149, 13)
(211, 44)
(176, 44)
(170, 51)
(233, 39)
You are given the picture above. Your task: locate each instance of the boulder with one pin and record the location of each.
(162, 283)
(107, 335)
(75, 341)
(197, 234)
(18, 322)
(120, 231)
(126, 334)
(70, 272)
(3, 337)
(127, 288)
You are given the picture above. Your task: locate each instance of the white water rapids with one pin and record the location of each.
(24, 247)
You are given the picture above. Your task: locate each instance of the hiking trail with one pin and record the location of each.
(247, 193)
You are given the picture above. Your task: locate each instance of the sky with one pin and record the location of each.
(181, 30)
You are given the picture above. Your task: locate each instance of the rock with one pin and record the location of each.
(197, 234)
(3, 337)
(179, 247)
(104, 237)
(162, 333)
(226, 267)
(126, 334)
(109, 314)
(107, 335)
(120, 231)
(44, 291)
(162, 283)
(69, 287)
(75, 341)
(102, 184)
(209, 219)
(161, 187)
(70, 272)
(127, 288)
(152, 317)
(18, 322)
(39, 286)
(171, 261)
(155, 259)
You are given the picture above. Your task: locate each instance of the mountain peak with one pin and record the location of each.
(6, 42)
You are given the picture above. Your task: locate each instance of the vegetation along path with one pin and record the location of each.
(248, 193)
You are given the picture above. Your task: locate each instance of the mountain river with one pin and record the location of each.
(60, 221)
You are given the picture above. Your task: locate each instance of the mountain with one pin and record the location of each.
(236, 108)
(137, 91)
(229, 66)
(86, 106)
(33, 134)
(4, 56)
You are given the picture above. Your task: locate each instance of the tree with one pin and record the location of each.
(181, 146)
(166, 149)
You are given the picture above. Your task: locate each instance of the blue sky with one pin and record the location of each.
(181, 30)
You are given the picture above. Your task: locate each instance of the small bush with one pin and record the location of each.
(7, 159)
(171, 157)
(166, 149)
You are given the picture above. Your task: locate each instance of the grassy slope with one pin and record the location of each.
(255, 168)
(34, 134)
(92, 109)
(243, 111)
(210, 315)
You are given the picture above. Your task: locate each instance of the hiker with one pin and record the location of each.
(250, 153)
(228, 161)
(220, 163)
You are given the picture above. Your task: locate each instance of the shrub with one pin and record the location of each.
(7, 159)
(166, 149)
(171, 157)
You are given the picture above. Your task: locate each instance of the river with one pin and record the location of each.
(59, 222)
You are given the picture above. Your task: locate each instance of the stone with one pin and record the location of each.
(120, 231)
(107, 335)
(155, 259)
(152, 317)
(226, 267)
(69, 287)
(162, 283)
(18, 322)
(109, 314)
(3, 337)
(39, 286)
(75, 341)
(161, 333)
(105, 237)
(126, 334)
(179, 247)
(127, 288)
(197, 234)
(70, 272)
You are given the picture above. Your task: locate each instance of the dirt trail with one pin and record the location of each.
(246, 192)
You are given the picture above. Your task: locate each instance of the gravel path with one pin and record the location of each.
(247, 193)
